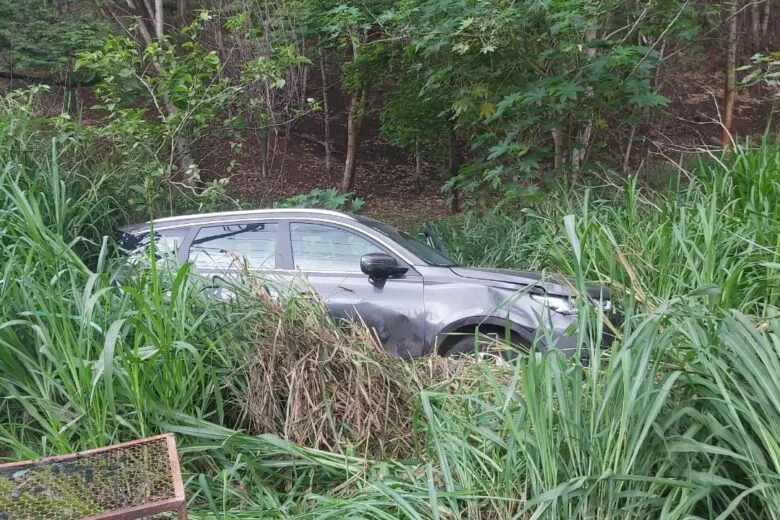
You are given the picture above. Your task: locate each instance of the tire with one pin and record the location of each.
(465, 345)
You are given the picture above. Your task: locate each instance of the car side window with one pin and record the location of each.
(228, 246)
(319, 247)
(166, 242)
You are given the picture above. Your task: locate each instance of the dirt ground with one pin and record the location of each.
(385, 178)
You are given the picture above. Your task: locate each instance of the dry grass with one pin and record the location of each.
(322, 385)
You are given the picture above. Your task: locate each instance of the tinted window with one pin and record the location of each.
(228, 246)
(166, 241)
(317, 247)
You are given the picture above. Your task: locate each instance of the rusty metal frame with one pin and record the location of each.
(177, 504)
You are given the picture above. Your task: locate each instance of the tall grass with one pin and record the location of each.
(717, 234)
(86, 361)
(678, 420)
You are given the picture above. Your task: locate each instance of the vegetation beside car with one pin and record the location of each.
(677, 420)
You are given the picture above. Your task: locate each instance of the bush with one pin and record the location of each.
(331, 199)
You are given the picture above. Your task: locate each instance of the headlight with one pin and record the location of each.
(567, 306)
(559, 304)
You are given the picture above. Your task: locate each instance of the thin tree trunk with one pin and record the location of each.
(158, 21)
(142, 28)
(755, 23)
(645, 112)
(417, 168)
(730, 93)
(265, 138)
(767, 16)
(325, 114)
(627, 154)
(150, 15)
(354, 118)
(453, 168)
(218, 38)
(187, 168)
(71, 91)
(583, 136)
(557, 137)
(353, 139)
(183, 10)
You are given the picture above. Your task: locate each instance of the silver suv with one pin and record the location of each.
(416, 299)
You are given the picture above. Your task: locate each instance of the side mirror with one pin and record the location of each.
(380, 266)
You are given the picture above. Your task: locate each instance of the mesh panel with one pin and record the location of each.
(97, 483)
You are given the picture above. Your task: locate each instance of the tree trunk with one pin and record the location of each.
(264, 155)
(627, 154)
(325, 114)
(730, 92)
(353, 131)
(755, 24)
(218, 39)
(767, 16)
(146, 34)
(353, 139)
(158, 21)
(188, 171)
(557, 137)
(584, 134)
(183, 10)
(71, 92)
(417, 168)
(453, 168)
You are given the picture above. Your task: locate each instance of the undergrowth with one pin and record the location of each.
(279, 412)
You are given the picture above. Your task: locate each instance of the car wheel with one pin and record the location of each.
(487, 345)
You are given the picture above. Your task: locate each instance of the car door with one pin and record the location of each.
(327, 256)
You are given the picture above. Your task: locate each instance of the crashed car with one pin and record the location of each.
(416, 299)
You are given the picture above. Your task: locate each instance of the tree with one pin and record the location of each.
(414, 121)
(350, 30)
(730, 90)
(38, 42)
(150, 24)
(528, 84)
(355, 108)
(264, 47)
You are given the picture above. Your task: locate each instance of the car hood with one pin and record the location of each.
(551, 284)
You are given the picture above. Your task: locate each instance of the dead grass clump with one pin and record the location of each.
(324, 385)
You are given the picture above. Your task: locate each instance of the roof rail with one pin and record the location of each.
(253, 212)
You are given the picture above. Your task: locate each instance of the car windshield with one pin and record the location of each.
(429, 255)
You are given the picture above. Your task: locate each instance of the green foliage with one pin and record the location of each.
(177, 80)
(330, 198)
(506, 75)
(159, 100)
(37, 35)
(346, 29)
(410, 120)
(763, 68)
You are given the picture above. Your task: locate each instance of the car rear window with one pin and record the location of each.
(166, 240)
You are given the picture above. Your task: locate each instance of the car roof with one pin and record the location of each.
(222, 216)
(185, 221)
